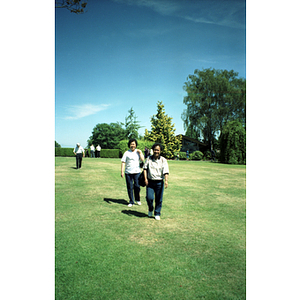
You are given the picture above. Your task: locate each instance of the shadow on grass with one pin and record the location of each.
(119, 201)
(134, 213)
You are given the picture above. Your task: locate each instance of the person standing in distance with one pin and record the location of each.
(156, 171)
(130, 163)
(98, 148)
(92, 151)
(79, 153)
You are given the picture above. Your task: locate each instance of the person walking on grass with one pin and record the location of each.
(79, 153)
(130, 163)
(156, 171)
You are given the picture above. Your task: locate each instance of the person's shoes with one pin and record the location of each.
(138, 202)
(150, 213)
(129, 205)
(157, 218)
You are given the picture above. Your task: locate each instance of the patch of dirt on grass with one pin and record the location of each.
(144, 238)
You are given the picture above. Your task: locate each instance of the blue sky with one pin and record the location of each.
(30, 109)
(124, 53)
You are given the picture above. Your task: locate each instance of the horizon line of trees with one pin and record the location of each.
(216, 106)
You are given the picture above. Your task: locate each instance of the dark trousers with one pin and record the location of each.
(78, 160)
(132, 183)
(155, 190)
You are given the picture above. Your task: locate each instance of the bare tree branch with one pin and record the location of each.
(74, 6)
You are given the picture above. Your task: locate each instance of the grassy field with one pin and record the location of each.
(106, 250)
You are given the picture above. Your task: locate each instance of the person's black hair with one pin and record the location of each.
(158, 144)
(132, 140)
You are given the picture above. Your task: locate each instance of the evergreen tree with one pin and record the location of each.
(132, 125)
(163, 132)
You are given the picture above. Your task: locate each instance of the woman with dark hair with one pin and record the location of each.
(131, 164)
(156, 171)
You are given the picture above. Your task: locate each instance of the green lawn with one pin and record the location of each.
(106, 250)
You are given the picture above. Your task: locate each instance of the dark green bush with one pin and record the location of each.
(182, 155)
(207, 155)
(110, 153)
(233, 143)
(104, 153)
(65, 152)
(196, 155)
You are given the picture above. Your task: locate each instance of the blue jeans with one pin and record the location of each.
(155, 188)
(132, 183)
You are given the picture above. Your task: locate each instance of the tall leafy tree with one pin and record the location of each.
(233, 143)
(132, 125)
(214, 97)
(163, 132)
(107, 136)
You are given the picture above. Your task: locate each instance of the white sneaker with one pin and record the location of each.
(138, 202)
(157, 217)
(150, 213)
(129, 205)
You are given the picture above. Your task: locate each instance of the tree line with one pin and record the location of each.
(215, 114)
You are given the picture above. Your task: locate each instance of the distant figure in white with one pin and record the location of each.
(79, 153)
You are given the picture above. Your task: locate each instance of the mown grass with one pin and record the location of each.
(105, 250)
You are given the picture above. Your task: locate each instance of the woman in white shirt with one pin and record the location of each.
(131, 165)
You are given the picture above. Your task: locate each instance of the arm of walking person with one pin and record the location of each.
(142, 158)
(122, 169)
(166, 180)
(145, 175)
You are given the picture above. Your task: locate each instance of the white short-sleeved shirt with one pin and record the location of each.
(132, 162)
(78, 149)
(157, 168)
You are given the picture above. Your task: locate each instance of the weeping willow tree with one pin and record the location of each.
(233, 143)
(214, 97)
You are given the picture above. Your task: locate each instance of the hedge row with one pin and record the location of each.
(104, 153)
(196, 155)
(64, 152)
(110, 153)
(116, 153)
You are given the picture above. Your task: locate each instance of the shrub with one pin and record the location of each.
(207, 155)
(110, 153)
(196, 155)
(233, 143)
(182, 155)
(65, 152)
